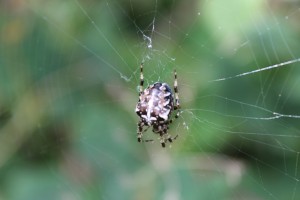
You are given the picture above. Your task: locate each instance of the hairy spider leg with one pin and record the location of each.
(177, 105)
(141, 131)
(142, 124)
(167, 137)
(141, 78)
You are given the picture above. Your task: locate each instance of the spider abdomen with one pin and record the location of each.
(155, 103)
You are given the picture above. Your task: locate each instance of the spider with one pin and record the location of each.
(154, 109)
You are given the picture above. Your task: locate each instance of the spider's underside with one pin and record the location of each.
(155, 107)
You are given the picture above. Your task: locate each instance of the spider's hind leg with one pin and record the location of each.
(141, 131)
(171, 139)
(163, 142)
(168, 138)
(165, 137)
(140, 126)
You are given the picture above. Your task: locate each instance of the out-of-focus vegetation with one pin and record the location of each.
(68, 78)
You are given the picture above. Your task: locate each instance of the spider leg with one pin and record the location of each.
(149, 140)
(141, 78)
(163, 144)
(170, 139)
(162, 132)
(165, 137)
(177, 105)
(163, 140)
(168, 136)
(175, 117)
(141, 131)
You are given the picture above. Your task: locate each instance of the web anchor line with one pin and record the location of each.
(259, 70)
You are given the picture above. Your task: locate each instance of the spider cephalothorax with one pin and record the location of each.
(155, 107)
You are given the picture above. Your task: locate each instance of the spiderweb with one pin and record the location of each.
(69, 82)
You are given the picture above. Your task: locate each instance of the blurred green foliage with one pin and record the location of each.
(68, 79)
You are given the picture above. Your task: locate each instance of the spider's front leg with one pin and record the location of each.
(177, 104)
(141, 78)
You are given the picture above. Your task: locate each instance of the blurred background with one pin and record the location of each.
(69, 76)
